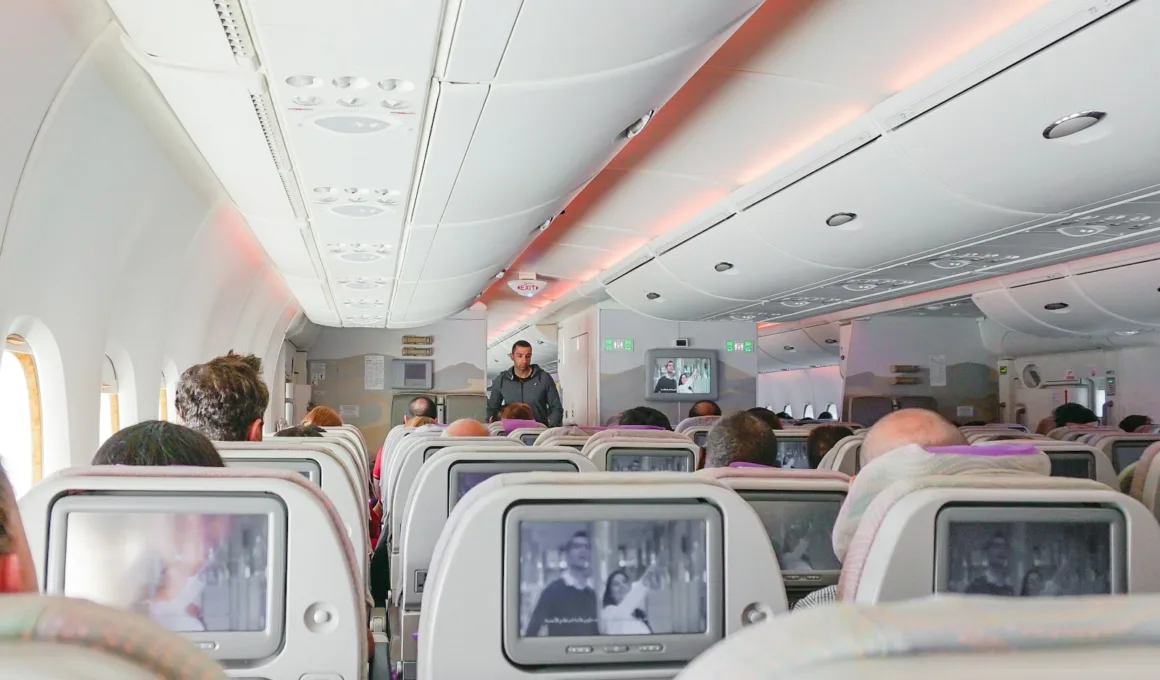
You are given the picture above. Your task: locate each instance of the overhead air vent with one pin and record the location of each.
(277, 146)
(234, 25)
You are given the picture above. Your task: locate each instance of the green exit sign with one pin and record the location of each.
(738, 346)
(624, 345)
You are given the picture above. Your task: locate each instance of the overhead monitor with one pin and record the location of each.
(465, 476)
(307, 468)
(217, 578)
(792, 453)
(800, 525)
(677, 374)
(649, 460)
(412, 374)
(1076, 464)
(1124, 453)
(1030, 551)
(612, 583)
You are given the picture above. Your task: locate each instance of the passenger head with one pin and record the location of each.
(741, 438)
(17, 572)
(307, 430)
(825, 415)
(909, 426)
(516, 411)
(768, 417)
(322, 416)
(822, 439)
(643, 415)
(421, 406)
(1133, 423)
(158, 443)
(1074, 415)
(705, 407)
(224, 398)
(466, 427)
(521, 355)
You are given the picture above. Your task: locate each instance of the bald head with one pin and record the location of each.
(909, 426)
(466, 427)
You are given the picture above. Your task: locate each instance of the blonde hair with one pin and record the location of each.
(322, 416)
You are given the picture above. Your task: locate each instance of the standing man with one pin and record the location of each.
(526, 383)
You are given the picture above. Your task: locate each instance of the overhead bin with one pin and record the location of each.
(654, 291)
(988, 145)
(728, 261)
(868, 208)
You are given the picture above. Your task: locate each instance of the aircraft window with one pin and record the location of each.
(110, 408)
(808, 411)
(788, 410)
(20, 415)
(833, 409)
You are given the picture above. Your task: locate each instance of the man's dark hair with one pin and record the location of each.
(825, 415)
(822, 439)
(643, 415)
(1073, 413)
(223, 397)
(741, 438)
(307, 430)
(768, 417)
(1133, 423)
(712, 408)
(158, 443)
(423, 406)
(521, 343)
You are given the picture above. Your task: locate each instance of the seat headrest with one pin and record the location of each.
(696, 421)
(805, 644)
(129, 636)
(914, 461)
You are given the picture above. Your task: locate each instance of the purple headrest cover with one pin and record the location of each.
(637, 427)
(988, 450)
(510, 424)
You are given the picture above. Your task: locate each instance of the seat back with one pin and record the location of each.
(105, 533)
(496, 568)
(799, 509)
(955, 637)
(57, 638)
(639, 454)
(1000, 533)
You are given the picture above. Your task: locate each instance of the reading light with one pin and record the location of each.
(1057, 307)
(1076, 122)
(634, 129)
(839, 219)
(653, 296)
(723, 267)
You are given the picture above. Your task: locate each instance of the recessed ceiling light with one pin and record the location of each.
(1076, 122)
(396, 85)
(303, 81)
(308, 101)
(1082, 230)
(350, 81)
(352, 125)
(635, 129)
(653, 296)
(352, 102)
(840, 219)
(1057, 307)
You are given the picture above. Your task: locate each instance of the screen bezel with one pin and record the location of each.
(674, 648)
(689, 456)
(311, 468)
(680, 353)
(1132, 443)
(1048, 514)
(235, 646)
(499, 467)
(816, 578)
(1062, 455)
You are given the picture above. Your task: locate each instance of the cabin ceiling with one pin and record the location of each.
(400, 161)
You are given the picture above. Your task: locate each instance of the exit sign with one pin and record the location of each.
(738, 346)
(624, 345)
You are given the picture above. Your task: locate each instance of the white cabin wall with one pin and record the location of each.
(117, 239)
(820, 386)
